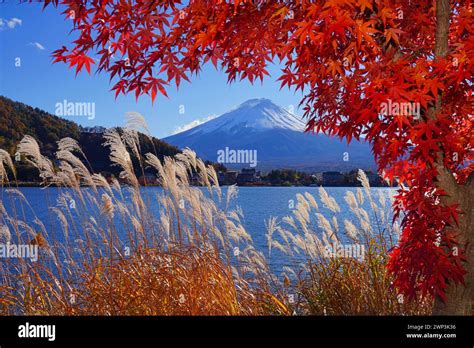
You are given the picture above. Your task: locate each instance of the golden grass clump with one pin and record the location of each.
(342, 272)
(182, 249)
(114, 257)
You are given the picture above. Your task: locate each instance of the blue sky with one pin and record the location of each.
(31, 34)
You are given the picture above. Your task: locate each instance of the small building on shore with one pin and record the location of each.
(227, 178)
(248, 176)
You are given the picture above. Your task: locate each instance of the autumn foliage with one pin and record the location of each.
(348, 57)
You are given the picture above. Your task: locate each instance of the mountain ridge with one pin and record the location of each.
(278, 138)
(18, 119)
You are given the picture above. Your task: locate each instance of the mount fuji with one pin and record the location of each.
(277, 139)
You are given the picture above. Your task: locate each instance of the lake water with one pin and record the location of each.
(258, 205)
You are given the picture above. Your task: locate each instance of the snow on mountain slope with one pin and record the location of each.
(255, 114)
(276, 136)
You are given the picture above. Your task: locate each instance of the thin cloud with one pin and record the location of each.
(9, 23)
(193, 124)
(38, 45)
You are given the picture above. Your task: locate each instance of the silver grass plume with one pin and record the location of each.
(29, 148)
(120, 156)
(6, 162)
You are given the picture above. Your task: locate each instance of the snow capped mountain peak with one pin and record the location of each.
(260, 126)
(252, 115)
(251, 103)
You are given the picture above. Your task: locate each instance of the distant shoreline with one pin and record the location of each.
(38, 185)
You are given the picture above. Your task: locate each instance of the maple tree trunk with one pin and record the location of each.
(459, 297)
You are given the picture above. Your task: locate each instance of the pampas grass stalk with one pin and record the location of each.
(113, 255)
